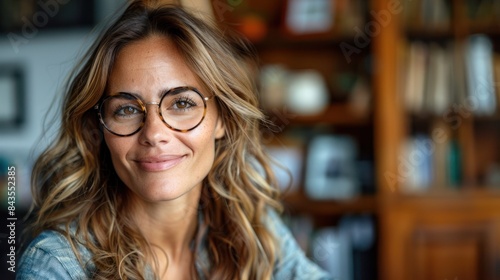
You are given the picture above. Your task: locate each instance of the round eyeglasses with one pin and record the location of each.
(181, 109)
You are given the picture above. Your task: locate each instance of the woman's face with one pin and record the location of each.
(157, 163)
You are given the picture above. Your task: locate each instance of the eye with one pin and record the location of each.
(127, 111)
(183, 103)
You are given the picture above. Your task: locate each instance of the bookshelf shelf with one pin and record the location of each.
(493, 118)
(492, 30)
(277, 39)
(429, 34)
(459, 200)
(336, 114)
(300, 203)
(452, 192)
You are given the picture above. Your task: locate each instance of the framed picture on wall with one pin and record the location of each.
(11, 96)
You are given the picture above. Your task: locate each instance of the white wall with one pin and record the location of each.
(46, 61)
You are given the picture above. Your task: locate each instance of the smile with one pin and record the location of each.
(162, 163)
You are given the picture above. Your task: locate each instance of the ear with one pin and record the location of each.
(220, 128)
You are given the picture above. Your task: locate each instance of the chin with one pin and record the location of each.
(164, 193)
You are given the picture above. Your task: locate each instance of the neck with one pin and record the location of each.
(169, 226)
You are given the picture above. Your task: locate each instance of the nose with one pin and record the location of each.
(154, 131)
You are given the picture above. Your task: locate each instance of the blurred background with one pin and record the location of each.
(385, 112)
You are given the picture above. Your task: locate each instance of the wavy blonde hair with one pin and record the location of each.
(75, 185)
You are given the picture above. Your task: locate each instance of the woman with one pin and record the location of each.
(176, 185)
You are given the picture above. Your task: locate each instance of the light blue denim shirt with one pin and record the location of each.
(50, 257)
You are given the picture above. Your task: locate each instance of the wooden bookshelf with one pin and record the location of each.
(444, 231)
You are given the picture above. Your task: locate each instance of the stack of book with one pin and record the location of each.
(444, 78)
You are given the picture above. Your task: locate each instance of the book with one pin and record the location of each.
(427, 14)
(416, 164)
(442, 138)
(459, 75)
(496, 75)
(415, 77)
(454, 164)
(479, 63)
(436, 14)
(437, 93)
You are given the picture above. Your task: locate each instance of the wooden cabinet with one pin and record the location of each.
(445, 236)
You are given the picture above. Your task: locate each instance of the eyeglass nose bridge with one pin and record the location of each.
(157, 108)
(158, 111)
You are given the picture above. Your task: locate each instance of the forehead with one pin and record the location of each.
(150, 63)
(154, 46)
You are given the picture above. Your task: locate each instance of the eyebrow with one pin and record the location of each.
(159, 95)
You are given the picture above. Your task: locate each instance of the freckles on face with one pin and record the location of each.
(157, 163)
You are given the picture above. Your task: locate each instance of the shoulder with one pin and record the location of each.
(292, 262)
(50, 256)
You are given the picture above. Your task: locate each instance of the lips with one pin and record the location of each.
(159, 163)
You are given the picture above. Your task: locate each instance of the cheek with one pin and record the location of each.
(117, 148)
(208, 133)
(204, 156)
(202, 142)
(199, 141)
